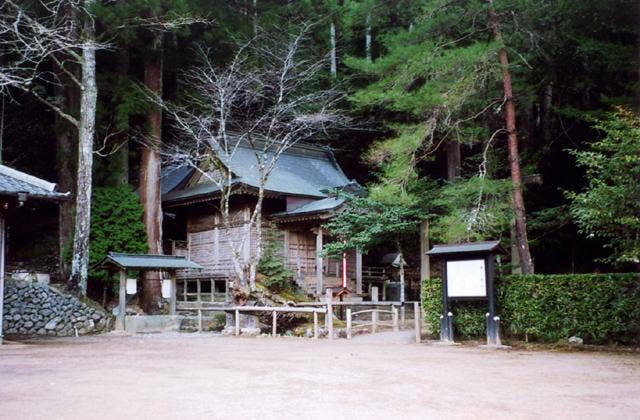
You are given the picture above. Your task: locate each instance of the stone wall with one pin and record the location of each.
(34, 309)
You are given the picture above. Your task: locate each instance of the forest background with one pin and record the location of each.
(425, 101)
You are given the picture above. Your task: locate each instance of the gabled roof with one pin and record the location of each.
(303, 170)
(467, 248)
(13, 182)
(148, 262)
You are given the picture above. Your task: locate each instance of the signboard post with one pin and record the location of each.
(468, 275)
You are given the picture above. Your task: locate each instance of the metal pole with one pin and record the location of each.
(237, 319)
(199, 320)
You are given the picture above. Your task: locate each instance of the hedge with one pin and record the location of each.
(599, 308)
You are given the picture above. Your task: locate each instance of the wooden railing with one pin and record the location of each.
(274, 312)
(327, 309)
(208, 289)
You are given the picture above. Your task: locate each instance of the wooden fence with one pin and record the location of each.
(325, 308)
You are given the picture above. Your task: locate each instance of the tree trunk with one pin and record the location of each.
(514, 158)
(332, 41)
(367, 37)
(88, 99)
(150, 179)
(122, 157)
(66, 156)
(453, 160)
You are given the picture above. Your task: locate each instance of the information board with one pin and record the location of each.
(466, 278)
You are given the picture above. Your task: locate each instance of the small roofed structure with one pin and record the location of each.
(468, 274)
(16, 188)
(484, 247)
(123, 262)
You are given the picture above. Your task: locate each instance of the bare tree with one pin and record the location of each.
(31, 38)
(268, 107)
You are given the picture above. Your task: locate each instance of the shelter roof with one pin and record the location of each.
(13, 182)
(148, 262)
(468, 248)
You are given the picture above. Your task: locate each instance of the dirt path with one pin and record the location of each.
(202, 376)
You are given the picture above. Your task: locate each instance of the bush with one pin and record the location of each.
(600, 308)
(116, 226)
(277, 277)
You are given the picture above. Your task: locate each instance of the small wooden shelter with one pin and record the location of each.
(16, 188)
(144, 262)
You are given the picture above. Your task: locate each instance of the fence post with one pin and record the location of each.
(237, 322)
(329, 315)
(273, 324)
(417, 321)
(348, 323)
(374, 314)
(394, 311)
(199, 320)
(315, 324)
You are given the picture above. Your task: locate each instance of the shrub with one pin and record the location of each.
(277, 277)
(600, 308)
(116, 226)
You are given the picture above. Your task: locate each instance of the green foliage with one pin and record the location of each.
(365, 222)
(116, 226)
(469, 317)
(277, 277)
(609, 207)
(600, 308)
(472, 210)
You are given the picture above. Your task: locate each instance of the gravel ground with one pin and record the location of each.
(384, 376)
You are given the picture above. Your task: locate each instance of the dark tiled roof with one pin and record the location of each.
(172, 177)
(301, 171)
(13, 182)
(467, 248)
(142, 261)
(316, 206)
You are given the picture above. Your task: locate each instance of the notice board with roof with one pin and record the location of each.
(468, 274)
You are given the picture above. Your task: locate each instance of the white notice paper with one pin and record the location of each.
(466, 278)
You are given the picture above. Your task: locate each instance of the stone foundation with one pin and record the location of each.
(35, 309)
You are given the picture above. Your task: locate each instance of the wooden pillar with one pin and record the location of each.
(425, 267)
(417, 321)
(273, 323)
(329, 315)
(173, 299)
(2, 248)
(374, 314)
(315, 324)
(348, 323)
(319, 262)
(237, 320)
(374, 294)
(394, 312)
(122, 300)
(358, 272)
